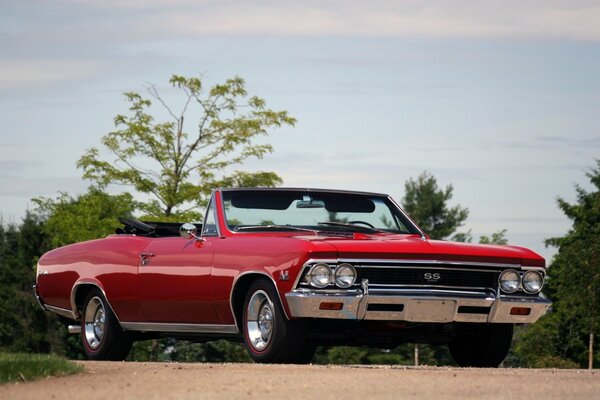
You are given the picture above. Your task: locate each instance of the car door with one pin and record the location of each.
(175, 278)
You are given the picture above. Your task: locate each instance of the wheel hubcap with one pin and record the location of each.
(94, 322)
(259, 322)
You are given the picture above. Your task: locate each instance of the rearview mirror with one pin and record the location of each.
(310, 204)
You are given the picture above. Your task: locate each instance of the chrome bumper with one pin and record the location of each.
(38, 298)
(427, 306)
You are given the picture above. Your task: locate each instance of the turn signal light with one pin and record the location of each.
(331, 306)
(520, 311)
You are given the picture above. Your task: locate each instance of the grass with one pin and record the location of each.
(27, 367)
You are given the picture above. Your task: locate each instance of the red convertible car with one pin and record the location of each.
(286, 270)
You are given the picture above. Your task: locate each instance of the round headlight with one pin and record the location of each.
(345, 275)
(533, 281)
(320, 275)
(510, 281)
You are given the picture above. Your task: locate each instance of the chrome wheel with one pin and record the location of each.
(94, 322)
(259, 321)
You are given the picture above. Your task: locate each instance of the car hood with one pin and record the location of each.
(416, 247)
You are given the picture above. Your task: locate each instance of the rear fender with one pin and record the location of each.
(78, 289)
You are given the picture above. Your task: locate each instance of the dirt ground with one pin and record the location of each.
(128, 380)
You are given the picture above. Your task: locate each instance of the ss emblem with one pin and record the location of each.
(432, 277)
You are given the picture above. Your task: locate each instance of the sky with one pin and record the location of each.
(500, 99)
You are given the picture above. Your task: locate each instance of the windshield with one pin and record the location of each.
(247, 210)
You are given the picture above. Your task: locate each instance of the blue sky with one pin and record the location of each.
(500, 99)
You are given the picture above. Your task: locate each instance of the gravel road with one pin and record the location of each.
(129, 380)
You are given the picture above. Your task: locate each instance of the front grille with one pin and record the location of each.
(389, 275)
(423, 276)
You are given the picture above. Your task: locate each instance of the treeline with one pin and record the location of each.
(24, 326)
(183, 162)
(560, 339)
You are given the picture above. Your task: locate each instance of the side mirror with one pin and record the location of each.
(189, 231)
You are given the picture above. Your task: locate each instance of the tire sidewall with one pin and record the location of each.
(269, 353)
(101, 352)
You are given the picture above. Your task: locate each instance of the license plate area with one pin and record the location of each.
(430, 311)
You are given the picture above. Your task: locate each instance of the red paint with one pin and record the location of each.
(187, 281)
(175, 284)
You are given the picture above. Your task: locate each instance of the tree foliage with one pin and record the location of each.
(498, 237)
(427, 204)
(24, 326)
(91, 215)
(176, 166)
(574, 280)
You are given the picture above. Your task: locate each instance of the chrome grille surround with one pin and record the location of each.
(428, 303)
(387, 274)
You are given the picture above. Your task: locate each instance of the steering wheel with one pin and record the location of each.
(363, 223)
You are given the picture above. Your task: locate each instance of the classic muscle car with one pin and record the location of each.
(285, 270)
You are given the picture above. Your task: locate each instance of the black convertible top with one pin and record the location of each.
(150, 228)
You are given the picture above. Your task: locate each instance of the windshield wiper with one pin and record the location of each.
(353, 226)
(269, 227)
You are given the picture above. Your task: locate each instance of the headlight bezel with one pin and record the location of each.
(338, 270)
(501, 280)
(313, 272)
(524, 284)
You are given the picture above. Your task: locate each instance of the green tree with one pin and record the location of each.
(178, 167)
(24, 326)
(573, 285)
(427, 204)
(91, 215)
(498, 237)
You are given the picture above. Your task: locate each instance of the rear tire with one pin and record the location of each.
(481, 345)
(101, 334)
(269, 336)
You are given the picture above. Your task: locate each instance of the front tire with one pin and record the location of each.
(481, 345)
(269, 336)
(101, 334)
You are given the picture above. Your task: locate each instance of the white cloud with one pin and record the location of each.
(151, 19)
(576, 20)
(33, 72)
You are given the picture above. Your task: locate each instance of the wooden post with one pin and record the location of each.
(591, 352)
(416, 354)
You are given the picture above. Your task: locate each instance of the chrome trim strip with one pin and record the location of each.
(61, 311)
(235, 280)
(215, 217)
(298, 189)
(358, 266)
(426, 292)
(178, 328)
(382, 262)
(409, 219)
(375, 286)
(37, 297)
(74, 306)
(530, 268)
